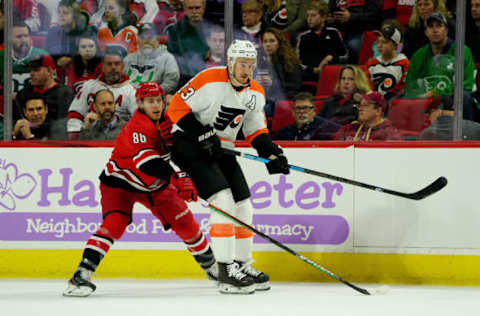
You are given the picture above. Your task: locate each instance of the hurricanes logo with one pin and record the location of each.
(228, 117)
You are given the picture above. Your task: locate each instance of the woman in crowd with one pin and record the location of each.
(61, 41)
(415, 31)
(279, 70)
(85, 63)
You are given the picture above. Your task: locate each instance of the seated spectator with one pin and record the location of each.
(120, 29)
(111, 78)
(279, 69)
(152, 62)
(290, 16)
(394, 23)
(371, 124)
(216, 42)
(472, 31)
(62, 39)
(320, 45)
(414, 35)
(145, 11)
(387, 72)
(353, 18)
(171, 11)
(85, 63)
(442, 117)
(341, 108)
(432, 67)
(306, 121)
(56, 96)
(103, 124)
(32, 13)
(252, 23)
(22, 54)
(187, 42)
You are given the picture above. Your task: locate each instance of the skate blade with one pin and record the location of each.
(77, 291)
(262, 286)
(225, 288)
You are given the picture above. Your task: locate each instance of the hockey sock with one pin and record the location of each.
(243, 244)
(223, 241)
(96, 248)
(202, 252)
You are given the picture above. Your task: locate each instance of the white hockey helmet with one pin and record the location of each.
(240, 49)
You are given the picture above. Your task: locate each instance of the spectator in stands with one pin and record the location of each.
(62, 39)
(394, 23)
(290, 16)
(2, 25)
(279, 69)
(56, 96)
(85, 63)
(171, 11)
(103, 124)
(432, 67)
(253, 25)
(320, 45)
(442, 118)
(415, 31)
(371, 124)
(32, 13)
(472, 31)
(120, 29)
(387, 72)
(187, 41)
(145, 11)
(22, 54)
(353, 18)
(112, 78)
(306, 121)
(152, 62)
(340, 108)
(216, 42)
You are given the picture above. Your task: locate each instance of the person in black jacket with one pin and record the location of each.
(472, 32)
(279, 71)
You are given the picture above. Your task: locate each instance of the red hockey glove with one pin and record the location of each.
(185, 187)
(166, 130)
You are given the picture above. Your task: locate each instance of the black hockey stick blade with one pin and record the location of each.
(287, 249)
(432, 188)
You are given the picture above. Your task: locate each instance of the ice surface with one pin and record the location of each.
(200, 298)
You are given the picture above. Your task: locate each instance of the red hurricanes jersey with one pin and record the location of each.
(138, 142)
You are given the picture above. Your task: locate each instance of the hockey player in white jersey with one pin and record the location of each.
(213, 106)
(113, 79)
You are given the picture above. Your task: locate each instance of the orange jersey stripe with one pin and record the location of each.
(251, 137)
(242, 232)
(222, 230)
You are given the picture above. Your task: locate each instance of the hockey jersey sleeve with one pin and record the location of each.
(255, 122)
(79, 108)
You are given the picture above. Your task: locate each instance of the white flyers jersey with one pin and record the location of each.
(214, 102)
(124, 95)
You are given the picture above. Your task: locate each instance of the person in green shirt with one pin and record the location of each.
(432, 67)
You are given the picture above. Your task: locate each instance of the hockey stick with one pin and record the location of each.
(430, 189)
(296, 254)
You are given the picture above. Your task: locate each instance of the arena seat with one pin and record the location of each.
(328, 79)
(408, 115)
(366, 51)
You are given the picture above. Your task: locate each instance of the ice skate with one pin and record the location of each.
(80, 285)
(262, 280)
(233, 281)
(212, 272)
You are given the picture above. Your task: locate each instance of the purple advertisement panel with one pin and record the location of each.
(290, 229)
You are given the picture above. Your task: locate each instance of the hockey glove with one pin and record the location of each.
(165, 128)
(267, 149)
(185, 187)
(210, 145)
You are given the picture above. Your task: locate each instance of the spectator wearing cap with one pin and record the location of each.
(442, 117)
(187, 40)
(57, 96)
(321, 44)
(432, 67)
(152, 62)
(22, 54)
(387, 72)
(371, 124)
(111, 78)
(103, 124)
(306, 122)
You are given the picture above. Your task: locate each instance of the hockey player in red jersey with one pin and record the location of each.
(139, 171)
(214, 105)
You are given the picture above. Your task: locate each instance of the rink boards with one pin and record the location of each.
(49, 206)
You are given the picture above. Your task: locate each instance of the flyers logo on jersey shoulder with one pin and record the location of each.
(228, 117)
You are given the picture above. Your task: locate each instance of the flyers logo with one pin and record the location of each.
(228, 117)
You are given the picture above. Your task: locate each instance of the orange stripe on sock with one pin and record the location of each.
(222, 230)
(242, 232)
